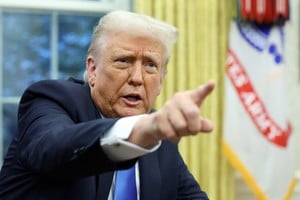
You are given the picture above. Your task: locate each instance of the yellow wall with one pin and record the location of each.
(199, 56)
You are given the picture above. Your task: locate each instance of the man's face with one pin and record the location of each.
(127, 74)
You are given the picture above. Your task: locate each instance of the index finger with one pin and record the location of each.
(200, 93)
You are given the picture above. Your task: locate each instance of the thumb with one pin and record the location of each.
(200, 93)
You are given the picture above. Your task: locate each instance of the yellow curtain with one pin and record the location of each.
(199, 56)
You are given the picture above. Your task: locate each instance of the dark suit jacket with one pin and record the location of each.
(56, 153)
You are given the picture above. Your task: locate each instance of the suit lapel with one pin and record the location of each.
(150, 177)
(104, 185)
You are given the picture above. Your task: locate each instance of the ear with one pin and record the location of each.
(91, 70)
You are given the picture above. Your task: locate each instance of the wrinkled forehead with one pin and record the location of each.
(150, 50)
(134, 42)
(140, 35)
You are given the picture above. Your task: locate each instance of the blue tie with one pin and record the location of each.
(125, 187)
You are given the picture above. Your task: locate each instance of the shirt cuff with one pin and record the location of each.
(115, 146)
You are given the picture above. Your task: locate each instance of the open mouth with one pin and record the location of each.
(133, 97)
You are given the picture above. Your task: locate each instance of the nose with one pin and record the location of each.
(136, 77)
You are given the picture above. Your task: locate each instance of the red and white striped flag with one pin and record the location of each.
(257, 133)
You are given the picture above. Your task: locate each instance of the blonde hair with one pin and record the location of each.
(135, 24)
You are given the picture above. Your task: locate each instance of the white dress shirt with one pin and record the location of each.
(117, 149)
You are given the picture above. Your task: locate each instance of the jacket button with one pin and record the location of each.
(79, 150)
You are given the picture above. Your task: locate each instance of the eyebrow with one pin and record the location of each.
(122, 52)
(153, 56)
(127, 53)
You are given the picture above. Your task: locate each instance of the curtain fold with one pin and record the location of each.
(199, 56)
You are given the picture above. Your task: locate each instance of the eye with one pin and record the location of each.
(122, 60)
(151, 64)
(151, 67)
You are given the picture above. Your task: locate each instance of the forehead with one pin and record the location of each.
(126, 43)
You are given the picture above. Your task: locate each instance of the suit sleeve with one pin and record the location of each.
(188, 188)
(58, 137)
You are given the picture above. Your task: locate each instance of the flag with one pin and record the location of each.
(263, 11)
(257, 132)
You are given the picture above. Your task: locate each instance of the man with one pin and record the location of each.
(73, 135)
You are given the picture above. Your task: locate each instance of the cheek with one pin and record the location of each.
(101, 81)
(154, 88)
(105, 75)
(109, 82)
